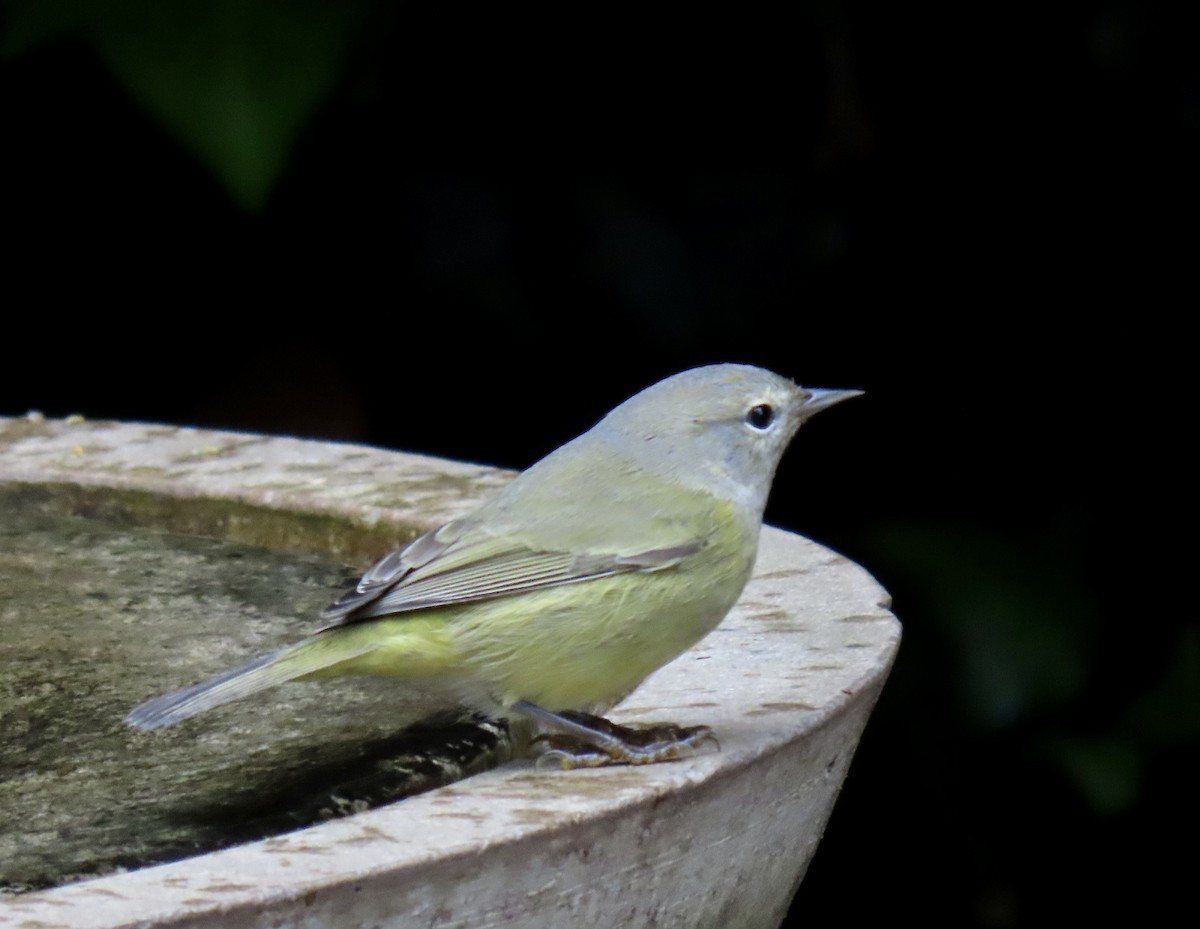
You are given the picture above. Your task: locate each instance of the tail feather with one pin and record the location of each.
(287, 664)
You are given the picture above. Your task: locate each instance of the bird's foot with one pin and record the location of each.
(581, 740)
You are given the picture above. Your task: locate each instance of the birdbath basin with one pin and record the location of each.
(787, 682)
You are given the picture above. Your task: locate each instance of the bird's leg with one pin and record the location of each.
(581, 740)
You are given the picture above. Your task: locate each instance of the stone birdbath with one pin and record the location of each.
(138, 558)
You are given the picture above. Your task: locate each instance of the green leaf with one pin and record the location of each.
(1107, 771)
(235, 81)
(1018, 624)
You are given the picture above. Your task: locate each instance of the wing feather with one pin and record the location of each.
(458, 563)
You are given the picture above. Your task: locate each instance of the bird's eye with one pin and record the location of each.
(761, 416)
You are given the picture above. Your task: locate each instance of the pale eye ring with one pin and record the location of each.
(761, 416)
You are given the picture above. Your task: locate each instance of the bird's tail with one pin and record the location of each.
(308, 657)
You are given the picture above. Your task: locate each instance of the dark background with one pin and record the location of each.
(472, 236)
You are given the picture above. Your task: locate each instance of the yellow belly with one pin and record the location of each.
(581, 646)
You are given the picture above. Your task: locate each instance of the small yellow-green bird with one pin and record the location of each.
(598, 565)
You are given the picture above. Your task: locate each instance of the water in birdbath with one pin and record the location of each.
(98, 613)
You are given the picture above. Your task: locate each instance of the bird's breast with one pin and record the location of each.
(586, 645)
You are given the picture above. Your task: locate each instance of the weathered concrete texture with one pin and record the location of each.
(787, 681)
(370, 486)
(96, 615)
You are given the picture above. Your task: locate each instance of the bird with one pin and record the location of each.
(596, 566)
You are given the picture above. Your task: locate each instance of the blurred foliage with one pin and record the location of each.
(1020, 639)
(1016, 621)
(235, 81)
(1151, 723)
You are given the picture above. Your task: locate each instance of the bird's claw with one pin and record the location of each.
(623, 745)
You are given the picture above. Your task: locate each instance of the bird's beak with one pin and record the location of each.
(820, 399)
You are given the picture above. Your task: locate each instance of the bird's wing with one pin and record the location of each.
(457, 564)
